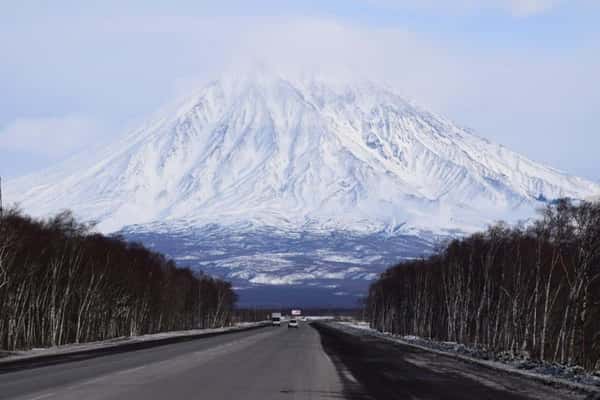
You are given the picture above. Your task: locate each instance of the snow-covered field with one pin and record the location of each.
(549, 373)
(250, 255)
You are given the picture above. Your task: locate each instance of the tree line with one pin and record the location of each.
(62, 283)
(529, 290)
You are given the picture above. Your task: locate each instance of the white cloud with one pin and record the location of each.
(520, 93)
(531, 7)
(518, 8)
(434, 72)
(520, 96)
(51, 137)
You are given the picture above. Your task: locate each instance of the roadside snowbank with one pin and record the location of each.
(6, 357)
(553, 374)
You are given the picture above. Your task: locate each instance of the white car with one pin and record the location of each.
(293, 323)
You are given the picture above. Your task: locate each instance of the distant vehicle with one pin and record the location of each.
(293, 323)
(276, 319)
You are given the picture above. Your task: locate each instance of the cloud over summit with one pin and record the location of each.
(518, 8)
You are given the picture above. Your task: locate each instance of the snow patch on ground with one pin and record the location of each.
(252, 255)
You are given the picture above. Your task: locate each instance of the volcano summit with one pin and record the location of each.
(265, 179)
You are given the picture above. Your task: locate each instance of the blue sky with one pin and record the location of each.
(523, 73)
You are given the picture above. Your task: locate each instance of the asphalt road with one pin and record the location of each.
(390, 371)
(270, 363)
(262, 364)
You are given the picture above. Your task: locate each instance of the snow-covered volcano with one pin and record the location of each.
(284, 152)
(275, 159)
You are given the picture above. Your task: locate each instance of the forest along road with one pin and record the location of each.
(270, 363)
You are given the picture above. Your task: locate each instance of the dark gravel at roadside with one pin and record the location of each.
(386, 370)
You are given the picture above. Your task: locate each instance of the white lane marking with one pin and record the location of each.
(349, 376)
(43, 396)
(127, 371)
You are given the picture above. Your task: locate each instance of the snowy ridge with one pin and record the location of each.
(270, 150)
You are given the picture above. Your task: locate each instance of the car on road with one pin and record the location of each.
(293, 323)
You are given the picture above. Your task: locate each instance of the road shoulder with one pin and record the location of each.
(76, 352)
(494, 365)
(390, 370)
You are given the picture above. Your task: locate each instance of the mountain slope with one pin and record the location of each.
(263, 179)
(295, 153)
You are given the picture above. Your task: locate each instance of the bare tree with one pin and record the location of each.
(533, 290)
(59, 284)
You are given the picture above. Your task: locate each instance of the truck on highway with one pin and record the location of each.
(276, 319)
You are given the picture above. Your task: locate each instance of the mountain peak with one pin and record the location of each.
(300, 151)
